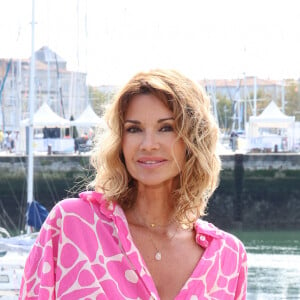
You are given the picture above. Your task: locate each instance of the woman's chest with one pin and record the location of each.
(175, 264)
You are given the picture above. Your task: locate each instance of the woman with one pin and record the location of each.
(139, 235)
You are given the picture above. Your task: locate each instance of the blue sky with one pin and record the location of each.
(112, 40)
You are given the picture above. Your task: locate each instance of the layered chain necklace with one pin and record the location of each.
(158, 250)
(158, 253)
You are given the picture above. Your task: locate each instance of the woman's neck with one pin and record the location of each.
(153, 207)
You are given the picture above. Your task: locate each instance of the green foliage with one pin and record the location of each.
(225, 113)
(225, 108)
(292, 98)
(263, 99)
(99, 99)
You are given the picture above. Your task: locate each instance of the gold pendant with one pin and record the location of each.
(158, 255)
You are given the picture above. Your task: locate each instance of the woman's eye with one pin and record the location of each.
(133, 129)
(167, 128)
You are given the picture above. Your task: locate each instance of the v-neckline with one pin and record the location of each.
(196, 270)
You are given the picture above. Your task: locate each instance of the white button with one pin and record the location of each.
(202, 238)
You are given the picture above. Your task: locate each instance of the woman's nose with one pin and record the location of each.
(149, 141)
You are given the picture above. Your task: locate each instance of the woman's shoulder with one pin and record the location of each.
(224, 237)
(88, 201)
(83, 199)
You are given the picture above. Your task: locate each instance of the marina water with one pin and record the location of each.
(274, 265)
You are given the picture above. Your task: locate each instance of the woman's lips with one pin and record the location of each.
(151, 161)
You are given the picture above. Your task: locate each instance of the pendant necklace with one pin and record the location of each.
(158, 253)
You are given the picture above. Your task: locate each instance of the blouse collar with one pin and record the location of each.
(205, 231)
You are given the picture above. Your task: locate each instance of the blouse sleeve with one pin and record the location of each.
(241, 289)
(38, 281)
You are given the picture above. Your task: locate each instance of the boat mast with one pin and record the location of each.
(254, 111)
(31, 112)
(283, 96)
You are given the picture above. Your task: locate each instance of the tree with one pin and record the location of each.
(292, 99)
(224, 108)
(262, 101)
(99, 99)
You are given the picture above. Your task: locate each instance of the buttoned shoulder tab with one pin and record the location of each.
(205, 227)
(91, 196)
(206, 232)
(106, 207)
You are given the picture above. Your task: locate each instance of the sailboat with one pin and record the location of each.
(14, 250)
(13, 254)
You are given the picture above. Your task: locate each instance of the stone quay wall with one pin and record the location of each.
(256, 191)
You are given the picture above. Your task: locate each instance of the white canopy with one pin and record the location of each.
(272, 117)
(46, 117)
(270, 128)
(89, 118)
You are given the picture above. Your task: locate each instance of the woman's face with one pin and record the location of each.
(153, 154)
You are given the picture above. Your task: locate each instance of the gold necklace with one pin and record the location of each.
(153, 225)
(158, 253)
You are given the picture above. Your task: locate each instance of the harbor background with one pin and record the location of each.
(78, 65)
(256, 191)
(257, 200)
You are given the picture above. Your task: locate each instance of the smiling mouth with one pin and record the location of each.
(150, 162)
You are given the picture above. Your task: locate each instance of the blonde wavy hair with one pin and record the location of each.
(194, 124)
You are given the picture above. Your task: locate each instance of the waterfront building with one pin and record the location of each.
(244, 88)
(63, 90)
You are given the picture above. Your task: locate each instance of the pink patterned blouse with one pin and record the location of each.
(85, 251)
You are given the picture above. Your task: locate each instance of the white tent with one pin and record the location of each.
(271, 128)
(89, 118)
(46, 117)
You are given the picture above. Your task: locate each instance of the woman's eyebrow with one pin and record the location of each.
(132, 121)
(158, 121)
(165, 119)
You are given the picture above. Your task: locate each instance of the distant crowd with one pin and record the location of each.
(82, 143)
(8, 140)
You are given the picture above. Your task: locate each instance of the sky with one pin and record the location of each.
(114, 39)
